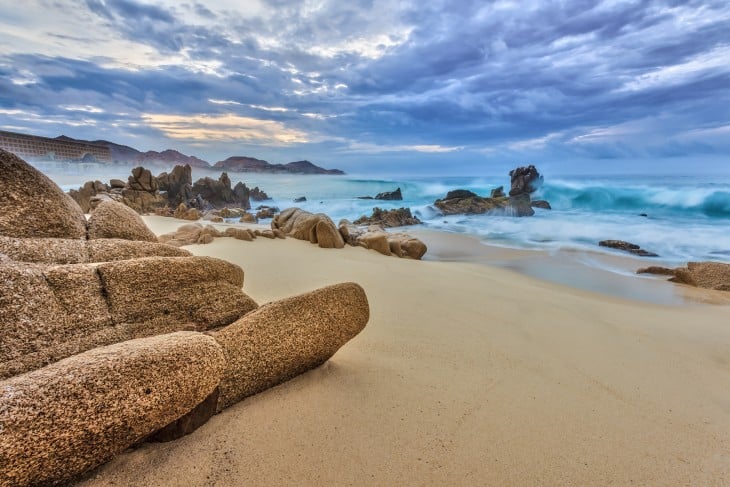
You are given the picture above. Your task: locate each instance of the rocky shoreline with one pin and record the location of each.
(110, 337)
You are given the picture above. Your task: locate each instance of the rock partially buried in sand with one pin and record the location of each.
(288, 337)
(708, 275)
(627, 247)
(33, 205)
(191, 234)
(66, 418)
(317, 228)
(116, 220)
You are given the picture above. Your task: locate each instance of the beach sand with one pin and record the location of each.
(466, 374)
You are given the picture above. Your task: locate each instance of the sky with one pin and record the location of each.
(451, 87)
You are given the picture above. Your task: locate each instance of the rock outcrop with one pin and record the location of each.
(178, 185)
(33, 206)
(100, 349)
(68, 417)
(316, 228)
(374, 237)
(708, 275)
(288, 337)
(389, 218)
(115, 220)
(385, 195)
(85, 193)
(627, 247)
(190, 234)
(458, 203)
(524, 180)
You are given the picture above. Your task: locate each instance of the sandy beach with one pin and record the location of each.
(466, 374)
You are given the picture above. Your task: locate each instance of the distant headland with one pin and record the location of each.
(67, 149)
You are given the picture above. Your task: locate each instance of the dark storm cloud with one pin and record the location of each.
(553, 76)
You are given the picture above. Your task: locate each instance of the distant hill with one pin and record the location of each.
(129, 155)
(251, 164)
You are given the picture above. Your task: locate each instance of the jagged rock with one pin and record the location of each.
(33, 205)
(389, 218)
(266, 212)
(142, 180)
(259, 195)
(541, 204)
(182, 212)
(497, 192)
(178, 184)
(288, 337)
(66, 418)
(143, 201)
(300, 199)
(190, 234)
(219, 194)
(524, 180)
(231, 212)
(115, 220)
(390, 195)
(627, 247)
(317, 228)
(471, 205)
(460, 194)
(248, 218)
(519, 205)
(85, 193)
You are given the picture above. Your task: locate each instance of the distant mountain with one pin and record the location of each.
(251, 164)
(129, 155)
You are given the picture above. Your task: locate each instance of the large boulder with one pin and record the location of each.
(66, 418)
(115, 220)
(389, 218)
(288, 337)
(520, 205)
(142, 179)
(316, 228)
(390, 195)
(218, 193)
(75, 251)
(33, 205)
(48, 313)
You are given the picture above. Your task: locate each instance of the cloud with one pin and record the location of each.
(205, 127)
(544, 78)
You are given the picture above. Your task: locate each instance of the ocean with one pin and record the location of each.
(681, 218)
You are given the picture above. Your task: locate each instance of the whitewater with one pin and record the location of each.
(681, 218)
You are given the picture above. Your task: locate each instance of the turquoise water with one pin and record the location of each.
(687, 218)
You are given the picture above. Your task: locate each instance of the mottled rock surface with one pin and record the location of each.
(75, 251)
(115, 220)
(389, 218)
(316, 228)
(471, 205)
(33, 205)
(288, 337)
(191, 234)
(708, 275)
(524, 180)
(66, 418)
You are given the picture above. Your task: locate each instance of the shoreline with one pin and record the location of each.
(604, 273)
(465, 374)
